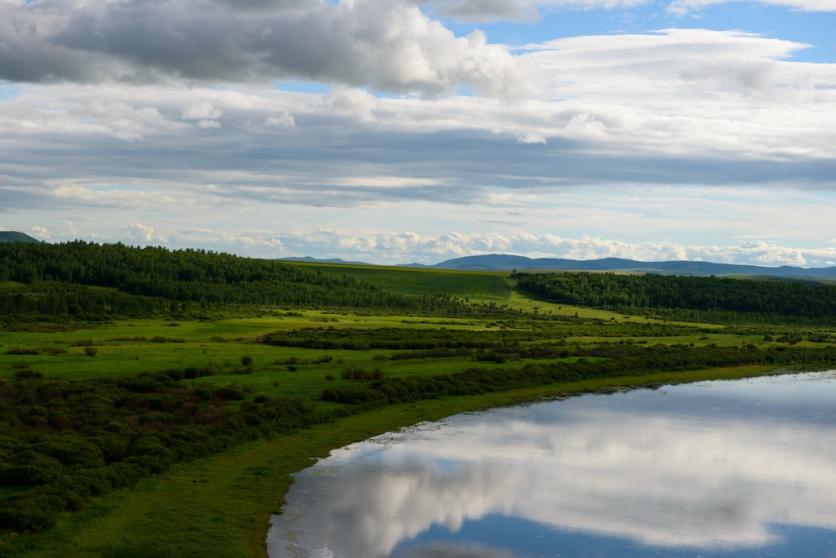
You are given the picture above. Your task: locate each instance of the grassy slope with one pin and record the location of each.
(476, 285)
(220, 506)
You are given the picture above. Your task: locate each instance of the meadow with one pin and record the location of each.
(192, 425)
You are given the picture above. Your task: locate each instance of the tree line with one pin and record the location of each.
(689, 297)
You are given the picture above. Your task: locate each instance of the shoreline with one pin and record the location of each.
(221, 505)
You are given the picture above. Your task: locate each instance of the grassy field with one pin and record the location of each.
(219, 506)
(133, 347)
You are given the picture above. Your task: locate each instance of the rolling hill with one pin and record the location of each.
(14, 236)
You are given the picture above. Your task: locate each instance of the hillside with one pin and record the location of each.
(14, 236)
(90, 280)
(505, 262)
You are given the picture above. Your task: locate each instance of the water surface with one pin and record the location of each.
(727, 469)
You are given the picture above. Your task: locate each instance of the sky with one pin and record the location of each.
(394, 131)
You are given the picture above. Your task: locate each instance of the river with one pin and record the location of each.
(728, 469)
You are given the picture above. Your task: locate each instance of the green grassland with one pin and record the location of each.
(488, 286)
(219, 504)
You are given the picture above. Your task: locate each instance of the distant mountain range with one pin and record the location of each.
(14, 236)
(506, 262)
(509, 262)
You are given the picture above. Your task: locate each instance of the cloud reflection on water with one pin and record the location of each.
(708, 481)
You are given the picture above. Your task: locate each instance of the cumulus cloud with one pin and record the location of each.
(283, 120)
(384, 44)
(144, 234)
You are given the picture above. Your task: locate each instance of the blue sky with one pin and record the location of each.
(419, 130)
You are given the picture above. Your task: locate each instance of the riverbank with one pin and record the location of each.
(220, 506)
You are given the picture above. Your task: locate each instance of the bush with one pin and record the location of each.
(25, 475)
(246, 360)
(27, 374)
(357, 373)
(90, 351)
(230, 393)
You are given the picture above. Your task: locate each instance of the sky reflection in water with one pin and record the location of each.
(726, 469)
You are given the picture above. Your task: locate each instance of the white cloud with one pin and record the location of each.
(205, 113)
(689, 91)
(283, 120)
(144, 234)
(385, 44)
(203, 110)
(40, 233)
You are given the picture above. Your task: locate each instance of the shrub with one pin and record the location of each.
(27, 374)
(21, 351)
(246, 360)
(90, 351)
